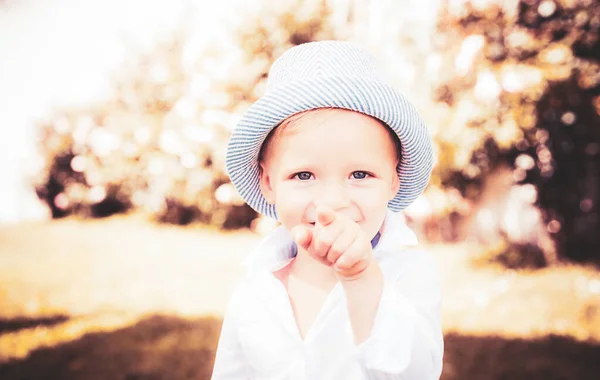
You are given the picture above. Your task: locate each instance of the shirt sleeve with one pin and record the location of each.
(406, 341)
(230, 363)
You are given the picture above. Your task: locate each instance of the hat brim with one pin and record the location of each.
(366, 96)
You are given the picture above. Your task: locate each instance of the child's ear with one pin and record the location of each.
(265, 184)
(395, 185)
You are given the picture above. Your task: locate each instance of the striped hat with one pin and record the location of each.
(321, 75)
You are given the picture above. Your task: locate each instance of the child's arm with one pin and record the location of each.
(362, 298)
(395, 318)
(230, 363)
(404, 340)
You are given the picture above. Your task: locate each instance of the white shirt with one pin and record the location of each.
(260, 338)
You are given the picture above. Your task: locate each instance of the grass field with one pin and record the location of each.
(126, 299)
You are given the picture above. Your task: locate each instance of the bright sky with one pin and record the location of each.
(57, 52)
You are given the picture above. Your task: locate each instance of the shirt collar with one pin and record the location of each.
(278, 248)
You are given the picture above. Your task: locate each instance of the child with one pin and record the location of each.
(332, 152)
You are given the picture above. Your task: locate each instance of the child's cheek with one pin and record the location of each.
(293, 203)
(372, 203)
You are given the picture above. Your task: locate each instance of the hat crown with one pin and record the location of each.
(321, 59)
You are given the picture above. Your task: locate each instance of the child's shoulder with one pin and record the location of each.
(240, 295)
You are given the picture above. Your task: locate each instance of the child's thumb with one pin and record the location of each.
(302, 236)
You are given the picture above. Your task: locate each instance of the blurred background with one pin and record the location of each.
(121, 237)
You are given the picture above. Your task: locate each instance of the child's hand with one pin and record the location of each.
(336, 241)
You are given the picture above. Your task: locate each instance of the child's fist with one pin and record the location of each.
(337, 241)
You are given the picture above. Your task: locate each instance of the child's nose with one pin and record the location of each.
(334, 196)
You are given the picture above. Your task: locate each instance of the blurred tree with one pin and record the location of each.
(524, 78)
(157, 146)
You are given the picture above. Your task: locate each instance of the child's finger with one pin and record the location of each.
(303, 236)
(324, 237)
(355, 253)
(341, 245)
(325, 215)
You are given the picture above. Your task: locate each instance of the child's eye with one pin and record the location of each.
(303, 176)
(359, 174)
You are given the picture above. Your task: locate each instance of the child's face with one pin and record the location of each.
(336, 158)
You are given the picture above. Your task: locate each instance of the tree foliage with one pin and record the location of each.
(525, 82)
